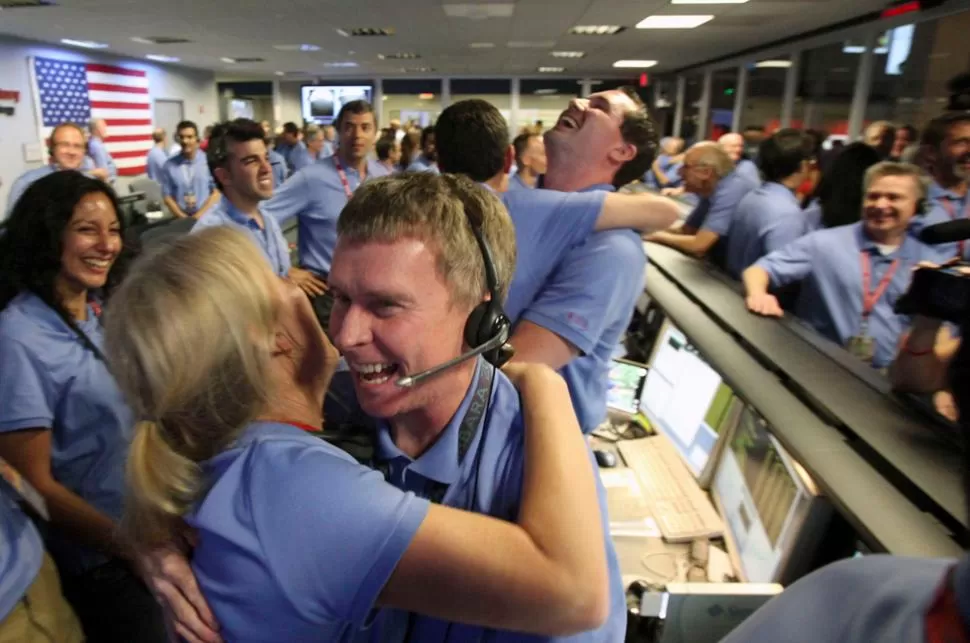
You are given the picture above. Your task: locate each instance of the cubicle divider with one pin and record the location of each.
(905, 511)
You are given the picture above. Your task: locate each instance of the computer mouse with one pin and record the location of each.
(605, 459)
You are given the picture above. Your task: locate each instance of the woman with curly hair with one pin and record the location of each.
(63, 421)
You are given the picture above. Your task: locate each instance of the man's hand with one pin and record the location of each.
(307, 281)
(671, 191)
(764, 304)
(100, 173)
(169, 577)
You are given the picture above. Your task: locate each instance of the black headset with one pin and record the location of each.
(488, 320)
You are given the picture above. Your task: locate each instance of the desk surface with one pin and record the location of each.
(713, 316)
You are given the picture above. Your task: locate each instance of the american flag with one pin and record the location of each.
(78, 92)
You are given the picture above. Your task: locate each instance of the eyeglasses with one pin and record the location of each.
(69, 146)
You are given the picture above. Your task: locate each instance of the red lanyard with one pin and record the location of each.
(944, 623)
(301, 425)
(870, 297)
(947, 204)
(343, 177)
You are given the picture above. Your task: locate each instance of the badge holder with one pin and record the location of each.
(190, 203)
(863, 345)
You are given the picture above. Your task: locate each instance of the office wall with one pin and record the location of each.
(195, 88)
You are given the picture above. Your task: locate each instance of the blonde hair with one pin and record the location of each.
(439, 210)
(188, 337)
(710, 154)
(890, 168)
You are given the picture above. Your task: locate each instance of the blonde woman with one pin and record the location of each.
(227, 367)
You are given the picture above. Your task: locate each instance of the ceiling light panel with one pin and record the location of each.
(551, 70)
(634, 64)
(595, 30)
(674, 22)
(162, 59)
(527, 44)
(568, 54)
(399, 56)
(86, 44)
(479, 11)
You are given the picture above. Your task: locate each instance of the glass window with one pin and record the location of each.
(541, 101)
(765, 93)
(912, 66)
(692, 103)
(724, 87)
(826, 85)
(416, 101)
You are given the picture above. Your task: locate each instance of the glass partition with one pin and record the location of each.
(724, 88)
(826, 86)
(411, 101)
(765, 93)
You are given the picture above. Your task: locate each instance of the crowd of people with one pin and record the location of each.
(165, 406)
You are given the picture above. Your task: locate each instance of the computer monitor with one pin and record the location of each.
(625, 383)
(322, 103)
(686, 400)
(774, 517)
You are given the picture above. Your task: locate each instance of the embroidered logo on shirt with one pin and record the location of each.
(577, 320)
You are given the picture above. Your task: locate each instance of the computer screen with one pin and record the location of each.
(763, 498)
(684, 398)
(322, 103)
(625, 383)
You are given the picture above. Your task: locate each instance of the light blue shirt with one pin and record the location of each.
(547, 225)
(295, 156)
(487, 481)
(22, 552)
(329, 149)
(716, 212)
(296, 540)
(670, 169)
(182, 176)
(516, 183)
(943, 205)
(269, 238)
(588, 300)
(748, 170)
(828, 265)
(316, 196)
(102, 159)
(155, 163)
(50, 380)
(422, 164)
(23, 182)
(874, 599)
(812, 216)
(279, 168)
(767, 219)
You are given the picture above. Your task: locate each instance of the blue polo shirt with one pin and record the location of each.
(547, 225)
(296, 539)
(278, 164)
(102, 158)
(767, 219)
(293, 155)
(154, 163)
(300, 157)
(49, 380)
(588, 300)
(812, 216)
(269, 238)
(488, 480)
(875, 599)
(828, 265)
(22, 552)
(23, 182)
(671, 170)
(716, 212)
(516, 183)
(748, 170)
(943, 205)
(182, 176)
(422, 164)
(316, 196)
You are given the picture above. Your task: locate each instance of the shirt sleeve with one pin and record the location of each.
(723, 204)
(332, 531)
(594, 284)
(169, 188)
(559, 220)
(293, 197)
(16, 191)
(787, 231)
(28, 399)
(102, 159)
(791, 263)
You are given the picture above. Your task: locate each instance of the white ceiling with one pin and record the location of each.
(251, 28)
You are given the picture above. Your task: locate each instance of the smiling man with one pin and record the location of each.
(733, 144)
(316, 194)
(852, 275)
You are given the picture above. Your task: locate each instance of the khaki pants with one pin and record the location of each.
(42, 615)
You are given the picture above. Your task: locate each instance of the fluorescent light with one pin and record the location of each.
(347, 63)
(87, 44)
(228, 60)
(162, 59)
(280, 73)
(568, 54)
(482, 45)
(595, 30)
(551, 70)
(773, 64)
(708, 1)
(635, 64)
(298, 47)
(545, 92)
(525, 44)
(673, 22)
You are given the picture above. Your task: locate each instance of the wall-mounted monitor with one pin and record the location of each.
(322, 103)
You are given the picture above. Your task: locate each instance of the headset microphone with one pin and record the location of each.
(496, 342)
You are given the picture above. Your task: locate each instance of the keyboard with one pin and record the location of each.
(681, 508)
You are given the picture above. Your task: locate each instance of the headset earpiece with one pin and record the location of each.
(488, 320)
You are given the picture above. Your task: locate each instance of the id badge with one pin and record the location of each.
(863, 347)
(190, 204)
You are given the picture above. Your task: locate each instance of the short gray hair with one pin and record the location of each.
(710, 154)
(890, 168)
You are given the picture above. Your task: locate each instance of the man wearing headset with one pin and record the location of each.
(67, 152)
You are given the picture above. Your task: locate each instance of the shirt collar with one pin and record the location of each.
(440, 462)
(598, 187)
(182, 158)
(777, 189)
(908, 250)
(937, 191)
(238, 215)
(33, 306)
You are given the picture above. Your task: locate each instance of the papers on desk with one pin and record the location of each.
(628, 509)
(157, 215)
